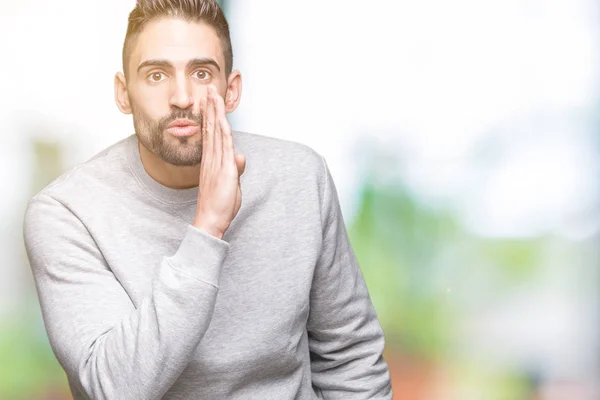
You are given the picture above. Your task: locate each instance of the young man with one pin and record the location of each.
(157, 281)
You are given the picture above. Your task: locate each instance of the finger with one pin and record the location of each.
(218, 139)
(240, 162)
(228, 148)
(210, 124)
(207, 138)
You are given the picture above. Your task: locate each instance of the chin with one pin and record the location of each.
(181, 154)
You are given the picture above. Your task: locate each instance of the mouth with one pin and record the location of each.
(183, 128)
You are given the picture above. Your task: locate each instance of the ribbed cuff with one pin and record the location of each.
(201, 255)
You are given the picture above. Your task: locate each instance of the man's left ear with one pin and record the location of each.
(234, 91)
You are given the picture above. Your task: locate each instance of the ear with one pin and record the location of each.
(121, 94)
(234, 91)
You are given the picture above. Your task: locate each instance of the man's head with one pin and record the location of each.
(173, 50)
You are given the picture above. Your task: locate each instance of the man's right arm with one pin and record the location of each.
(109, 348)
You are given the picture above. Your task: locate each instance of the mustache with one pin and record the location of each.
(180, 114)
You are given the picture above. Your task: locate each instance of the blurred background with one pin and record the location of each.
(463, 138)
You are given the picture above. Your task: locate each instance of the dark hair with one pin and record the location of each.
(207, 11)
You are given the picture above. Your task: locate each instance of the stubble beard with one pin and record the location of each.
(153, 136)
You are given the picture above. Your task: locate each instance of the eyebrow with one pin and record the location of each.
(196, 62)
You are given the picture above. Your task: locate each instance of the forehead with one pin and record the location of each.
(178, 41)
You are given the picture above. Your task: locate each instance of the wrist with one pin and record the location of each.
(208, 228)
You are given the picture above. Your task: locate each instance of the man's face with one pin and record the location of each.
(170, 68)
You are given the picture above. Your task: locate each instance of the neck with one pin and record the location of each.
(171, 176)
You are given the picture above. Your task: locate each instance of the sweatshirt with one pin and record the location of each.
(138, 304)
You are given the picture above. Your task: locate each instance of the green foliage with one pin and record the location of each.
(412, 255)
(28, 364)
(396, 243)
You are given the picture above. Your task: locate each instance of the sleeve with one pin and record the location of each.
(345, 338)
(108, 348)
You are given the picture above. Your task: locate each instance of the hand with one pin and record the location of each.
(219, 195)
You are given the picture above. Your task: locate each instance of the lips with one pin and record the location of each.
(182, 127)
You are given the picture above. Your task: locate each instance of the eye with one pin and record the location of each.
(156, 77)
(202, 74)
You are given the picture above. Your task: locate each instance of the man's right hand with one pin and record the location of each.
(219, 192)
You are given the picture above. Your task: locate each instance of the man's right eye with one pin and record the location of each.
(156, 77)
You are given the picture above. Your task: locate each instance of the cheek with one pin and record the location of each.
(199, 93)
(152, 103)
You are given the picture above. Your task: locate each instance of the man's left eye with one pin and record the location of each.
(202, 75)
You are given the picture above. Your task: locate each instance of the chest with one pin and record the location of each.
(264, 293)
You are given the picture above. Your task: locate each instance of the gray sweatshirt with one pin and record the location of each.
(139, 304)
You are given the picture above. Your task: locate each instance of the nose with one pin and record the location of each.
(181, 96)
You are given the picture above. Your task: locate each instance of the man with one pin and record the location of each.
(157, 281)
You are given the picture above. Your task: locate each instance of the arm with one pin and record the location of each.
(345, 338)
(107, 347)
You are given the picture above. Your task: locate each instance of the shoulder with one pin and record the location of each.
(97, 174)
(273, 155)
(78, 188)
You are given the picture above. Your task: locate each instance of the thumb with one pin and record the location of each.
(240, 162)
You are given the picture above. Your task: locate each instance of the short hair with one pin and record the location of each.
(206, 11)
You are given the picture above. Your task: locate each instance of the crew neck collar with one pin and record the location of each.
(159, 191)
